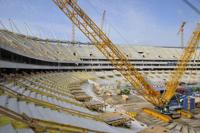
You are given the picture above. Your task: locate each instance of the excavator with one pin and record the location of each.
(121, 63)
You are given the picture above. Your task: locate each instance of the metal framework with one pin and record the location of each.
(120, 61)
(181, 66)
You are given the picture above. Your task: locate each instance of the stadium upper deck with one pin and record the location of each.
(63, 51)
(25, 52)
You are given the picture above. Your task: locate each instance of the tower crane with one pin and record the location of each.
(120, 61)
(181, 32)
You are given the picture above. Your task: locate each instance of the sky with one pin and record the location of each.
(132, 22)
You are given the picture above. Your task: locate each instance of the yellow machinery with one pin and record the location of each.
(120, 61)
(185, 113)
(154, 113)
(110, 51)
(176, 76)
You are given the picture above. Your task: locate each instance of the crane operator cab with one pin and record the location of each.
(172, 108)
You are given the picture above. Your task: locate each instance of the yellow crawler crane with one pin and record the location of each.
(110, 51)
(119, 60)
(173, 82)
(181, 67)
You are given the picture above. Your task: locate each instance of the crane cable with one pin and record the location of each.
(192, 6)
(111, 25)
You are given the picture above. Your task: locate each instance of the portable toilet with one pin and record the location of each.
(189, 103)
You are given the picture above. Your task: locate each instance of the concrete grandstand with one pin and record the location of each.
(48, 80)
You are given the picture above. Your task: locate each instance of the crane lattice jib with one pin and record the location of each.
(118, 59)
(181, 67)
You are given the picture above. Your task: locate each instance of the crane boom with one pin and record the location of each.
(118, 59)
(181, 67)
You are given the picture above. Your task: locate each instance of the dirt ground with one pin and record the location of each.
(136, 103)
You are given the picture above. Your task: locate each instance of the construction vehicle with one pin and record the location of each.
(120, 61)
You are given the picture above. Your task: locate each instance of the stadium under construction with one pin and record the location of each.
(51, 85)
